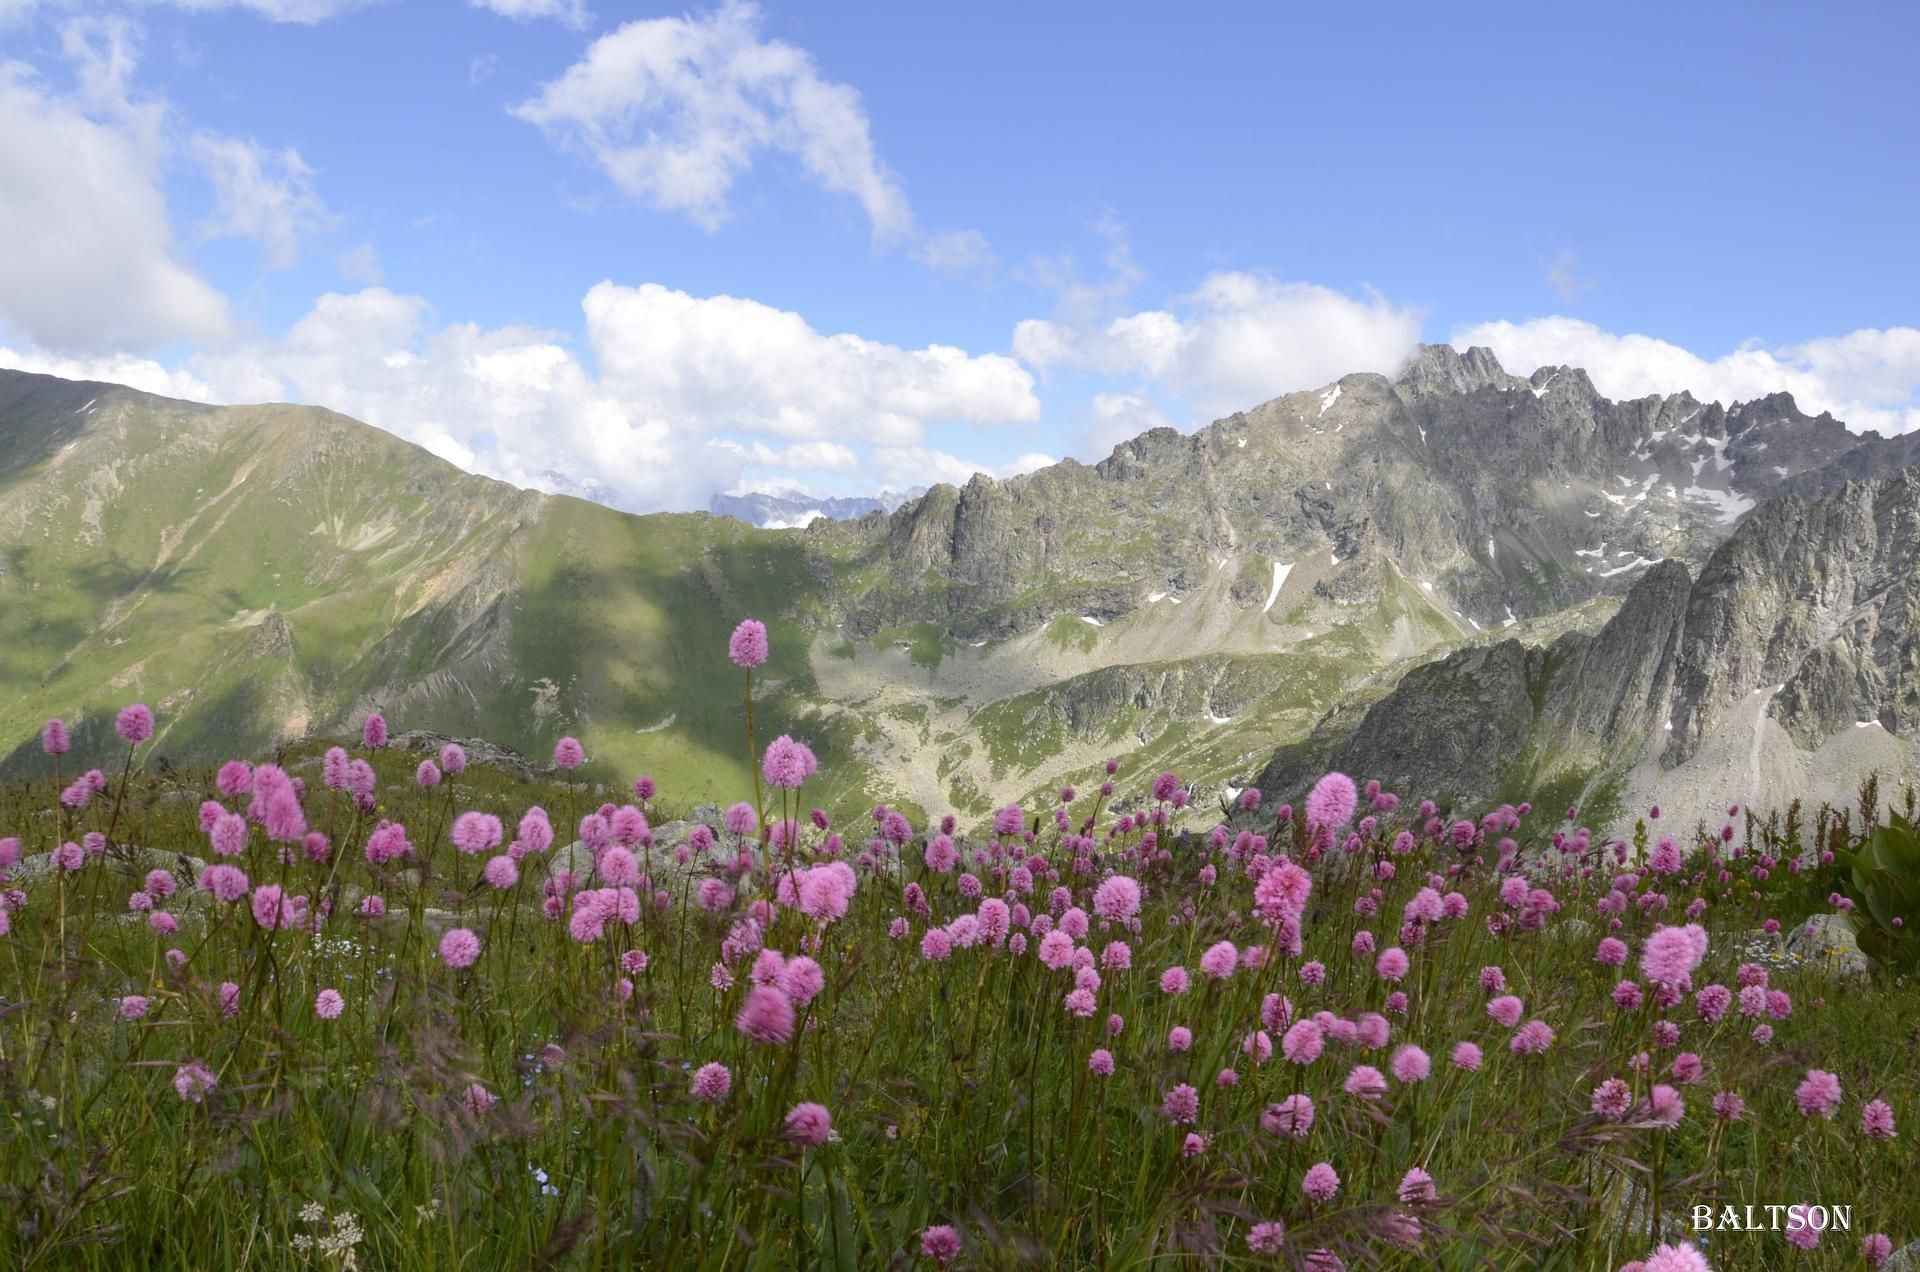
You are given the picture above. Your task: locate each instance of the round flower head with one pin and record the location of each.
(54, 738)
(459, 948)
(475, 832)
(1671, 953)
(766, 1016)
(1302, 1043)
(711, 1082)
(1876, 1120)
(1220, 960)
(1321, 1181)
(1267, 1237)
(1101, 1062)
(809, 1123)
(1411, 1064)
(1416, 1187)
(1466, 1055)
(192, 1081)
(747, 647)
(1291, 1117)
(373, 734)
(453, 758)
(1331, 802)
(940, 1243)
(1181, 1104)
(427, 775)
(134, 724)
(787, 763)
(568, 754)
(1685, 1257)
(1819, 1094)
(1532, 1038)
(1117, 899)
(328, 1004)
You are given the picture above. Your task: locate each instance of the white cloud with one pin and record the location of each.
(672, 372)
(83, 187)
(1870, 378)
(260, 194)
(675, 110)
(1236, 341)
(360, 264)
(569, 13)
(113, 368)
(828, 457)
(725, 363)
(955, 252)
(900, 467)
(1118, 417)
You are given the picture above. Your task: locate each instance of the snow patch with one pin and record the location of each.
(1865, 724)
(1216, 719)
(1634, 564)
(1328, 399)
(83, 410)
(1280, 571)
(1730, 503)
(1088, 618)
(1510, 620)
(1242, 443)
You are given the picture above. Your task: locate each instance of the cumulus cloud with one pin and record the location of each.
(1870, 378)
(83, 188)
(260, 194)
(676, 110)
(1234, 342)
(723, 362)
(680, 387)
(1116, 417)
(570, 13)
(900, 467)
(301, 12)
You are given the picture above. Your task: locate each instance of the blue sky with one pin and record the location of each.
(671, 251)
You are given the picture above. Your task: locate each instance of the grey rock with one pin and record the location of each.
(1827, 942)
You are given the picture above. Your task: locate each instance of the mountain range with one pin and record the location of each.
(1457, 579)
(793, 509)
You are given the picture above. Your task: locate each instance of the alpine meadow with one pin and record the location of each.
(976, 639)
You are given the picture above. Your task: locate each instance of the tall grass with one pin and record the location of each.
(538, 1107)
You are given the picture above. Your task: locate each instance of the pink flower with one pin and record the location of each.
(1612, 952)
(1876, 1120)
(747, 647)
(936, 945)
(787, 763)
(134, 1006)
(192, 1081)
(1819, 1094)
(1663, 1107)
(1411, 1064)
(134, 724)
(427, 775)
(1117, 899)
(1685, 1257)
(1392, 963)
(1181, 1104)
(476, 832)
(1532, 1038)
(1179, 1038)
(1173, 980)
(453, 758)
(1673, 952)
(1506, 1010)
(1267, 1237)
(1876, 1248)
(1303, 1042)
(568, 753)
(54, 739)
(1612, 1099)
(940, 1243)
(809, 1123)
(373, 734)
(801, 979)
(1321, 1181)
(711, 1082)
(1220, 960)
(1727, 1106)
(479, 1100)
(1331, 802)
(1366, 1082)
(459, 948)
(1101, 1062)
(328, 1004)
(1292, 1117)
(501, 872)
(766, 1016)
(1416, 1187)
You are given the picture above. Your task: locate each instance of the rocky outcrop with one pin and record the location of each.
(1813, 603)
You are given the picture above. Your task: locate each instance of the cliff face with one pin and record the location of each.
(1806, 616)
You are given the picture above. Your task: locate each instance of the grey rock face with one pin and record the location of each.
(1816, 603)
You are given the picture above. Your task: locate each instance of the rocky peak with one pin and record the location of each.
(1440, 368)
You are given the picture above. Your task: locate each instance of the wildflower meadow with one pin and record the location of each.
(359, 1006)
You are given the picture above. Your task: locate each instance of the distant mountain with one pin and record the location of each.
(788, 509)
(1455, 576)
